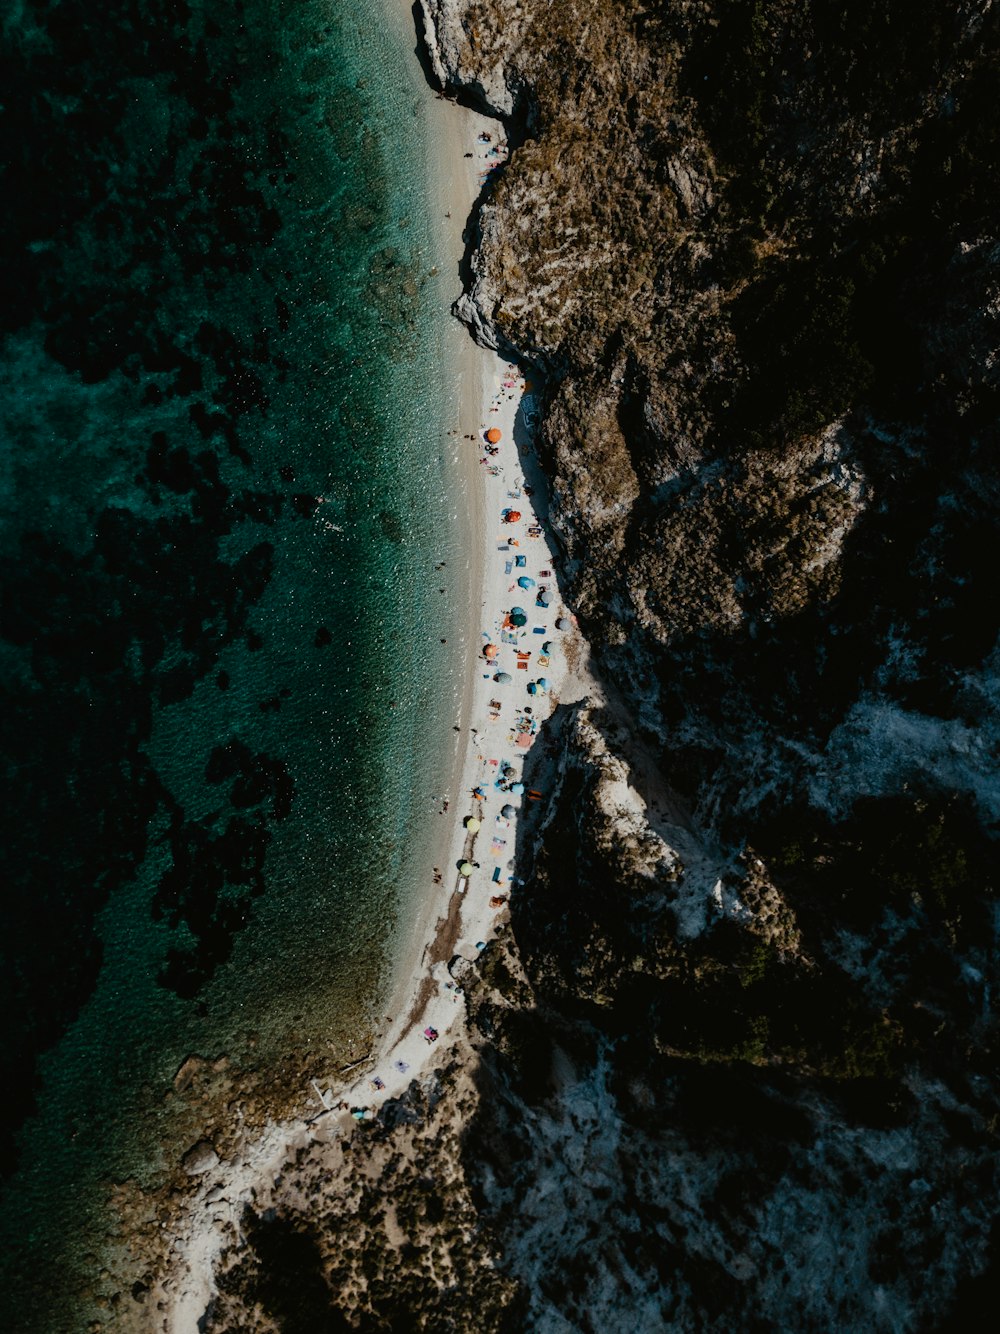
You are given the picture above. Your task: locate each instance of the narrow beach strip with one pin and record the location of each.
(514, 665)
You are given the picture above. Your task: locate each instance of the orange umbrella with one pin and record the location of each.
(493, 434)
(490, 651)
(512, 516)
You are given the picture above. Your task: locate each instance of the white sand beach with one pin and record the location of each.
(460, 914)
(497, 721)
(513, 673)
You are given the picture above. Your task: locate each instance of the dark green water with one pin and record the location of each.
(221, 505)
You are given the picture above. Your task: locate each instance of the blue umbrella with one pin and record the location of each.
(525, 582)
(532, 688)
(542, 683)
(503, 678)
(517, 789)
(517, 611)
(547, 646)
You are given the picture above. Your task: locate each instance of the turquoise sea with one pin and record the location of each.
(223, 497)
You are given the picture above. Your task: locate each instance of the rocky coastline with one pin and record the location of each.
(754, 250)
(731, 1062)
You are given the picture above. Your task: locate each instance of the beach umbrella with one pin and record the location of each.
(472, 824)
(532, 688)
(507, 812)
(465, 869)
(511, 516)
(517, 789)
(490, 651)
(525, 582)
(517, 611)
(562, 623)
(547, 646)
(543, 599)
(494, 434)
(502, 678)
(542, 683)
(518, 618)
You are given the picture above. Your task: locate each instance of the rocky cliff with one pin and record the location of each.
(753, 249)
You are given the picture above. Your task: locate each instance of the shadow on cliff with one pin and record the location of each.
(588, 1135)
(468, 96)
(282, 1273)
(465, 97)
(516, 129)
(595, 1055)
(566, 1078)
(526, 421)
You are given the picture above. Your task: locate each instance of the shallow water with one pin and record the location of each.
(222, 499)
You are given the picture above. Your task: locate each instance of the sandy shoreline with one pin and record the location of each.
(459, 914)
(451, 133)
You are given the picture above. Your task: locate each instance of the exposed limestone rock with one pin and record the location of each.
(788, 516)
(467, 55)
(187, 1072)
(200, 1158)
